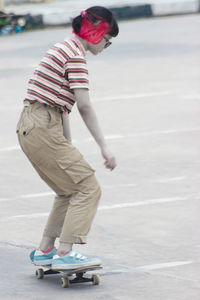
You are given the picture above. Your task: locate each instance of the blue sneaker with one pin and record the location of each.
(73, 260)
(40, 258)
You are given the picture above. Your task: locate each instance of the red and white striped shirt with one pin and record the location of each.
(61, 70)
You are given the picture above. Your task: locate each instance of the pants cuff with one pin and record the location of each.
(73, 239)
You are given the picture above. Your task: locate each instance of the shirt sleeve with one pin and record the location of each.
(77, 73)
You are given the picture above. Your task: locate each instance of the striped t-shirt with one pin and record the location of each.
(61, 70)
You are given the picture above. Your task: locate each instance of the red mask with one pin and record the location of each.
(90, 32)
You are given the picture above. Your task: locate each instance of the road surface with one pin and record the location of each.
(145, 89)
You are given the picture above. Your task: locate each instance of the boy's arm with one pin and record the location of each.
(89, 117)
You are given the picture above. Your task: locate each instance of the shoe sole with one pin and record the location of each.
(73, 266)
(42, 262)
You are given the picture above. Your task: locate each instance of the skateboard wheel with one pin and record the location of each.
(65, 282)
(96, 279)
(39, 274)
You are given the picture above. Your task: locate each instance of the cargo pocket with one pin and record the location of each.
(25, 124)
(75, 167)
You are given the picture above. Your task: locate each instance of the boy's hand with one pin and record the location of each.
(110, 161)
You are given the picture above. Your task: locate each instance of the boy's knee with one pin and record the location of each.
(94, 187)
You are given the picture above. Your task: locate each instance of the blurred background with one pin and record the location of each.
(28, 14)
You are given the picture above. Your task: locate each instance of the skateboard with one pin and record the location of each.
(69, 276)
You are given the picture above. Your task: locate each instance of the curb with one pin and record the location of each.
(61, 16)
(132, 12)
(176, 8)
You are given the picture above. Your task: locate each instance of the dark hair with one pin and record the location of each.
(98, 13)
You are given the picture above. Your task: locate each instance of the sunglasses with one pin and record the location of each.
(108, 43)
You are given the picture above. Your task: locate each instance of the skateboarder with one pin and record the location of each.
(60, 81)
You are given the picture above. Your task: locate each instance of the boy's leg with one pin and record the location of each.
(57, 215)
(73, 212)
(81, 212)
(62, 166)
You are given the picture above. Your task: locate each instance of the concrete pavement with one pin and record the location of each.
(145, 89)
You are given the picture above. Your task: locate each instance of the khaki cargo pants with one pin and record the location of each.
(64, 169)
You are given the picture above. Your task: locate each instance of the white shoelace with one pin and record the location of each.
(77, 255)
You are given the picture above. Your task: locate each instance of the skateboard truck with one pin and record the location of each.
(66, 274)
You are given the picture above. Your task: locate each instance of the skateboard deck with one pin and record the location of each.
(69, 276)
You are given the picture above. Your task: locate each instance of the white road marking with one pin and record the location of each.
(116, 97)
(146, 133)
(142, 203)
(7, 149)
(38, 195)
(118, 185)
(28, 196)
(29, 216)
(192, 96)
(100, 99)
(110, 186)
(149, 133)
(122, 136)
(166, 180)
(131, 96)
(164, 265)
(110, 207)
(6, 199)
(131, 185)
